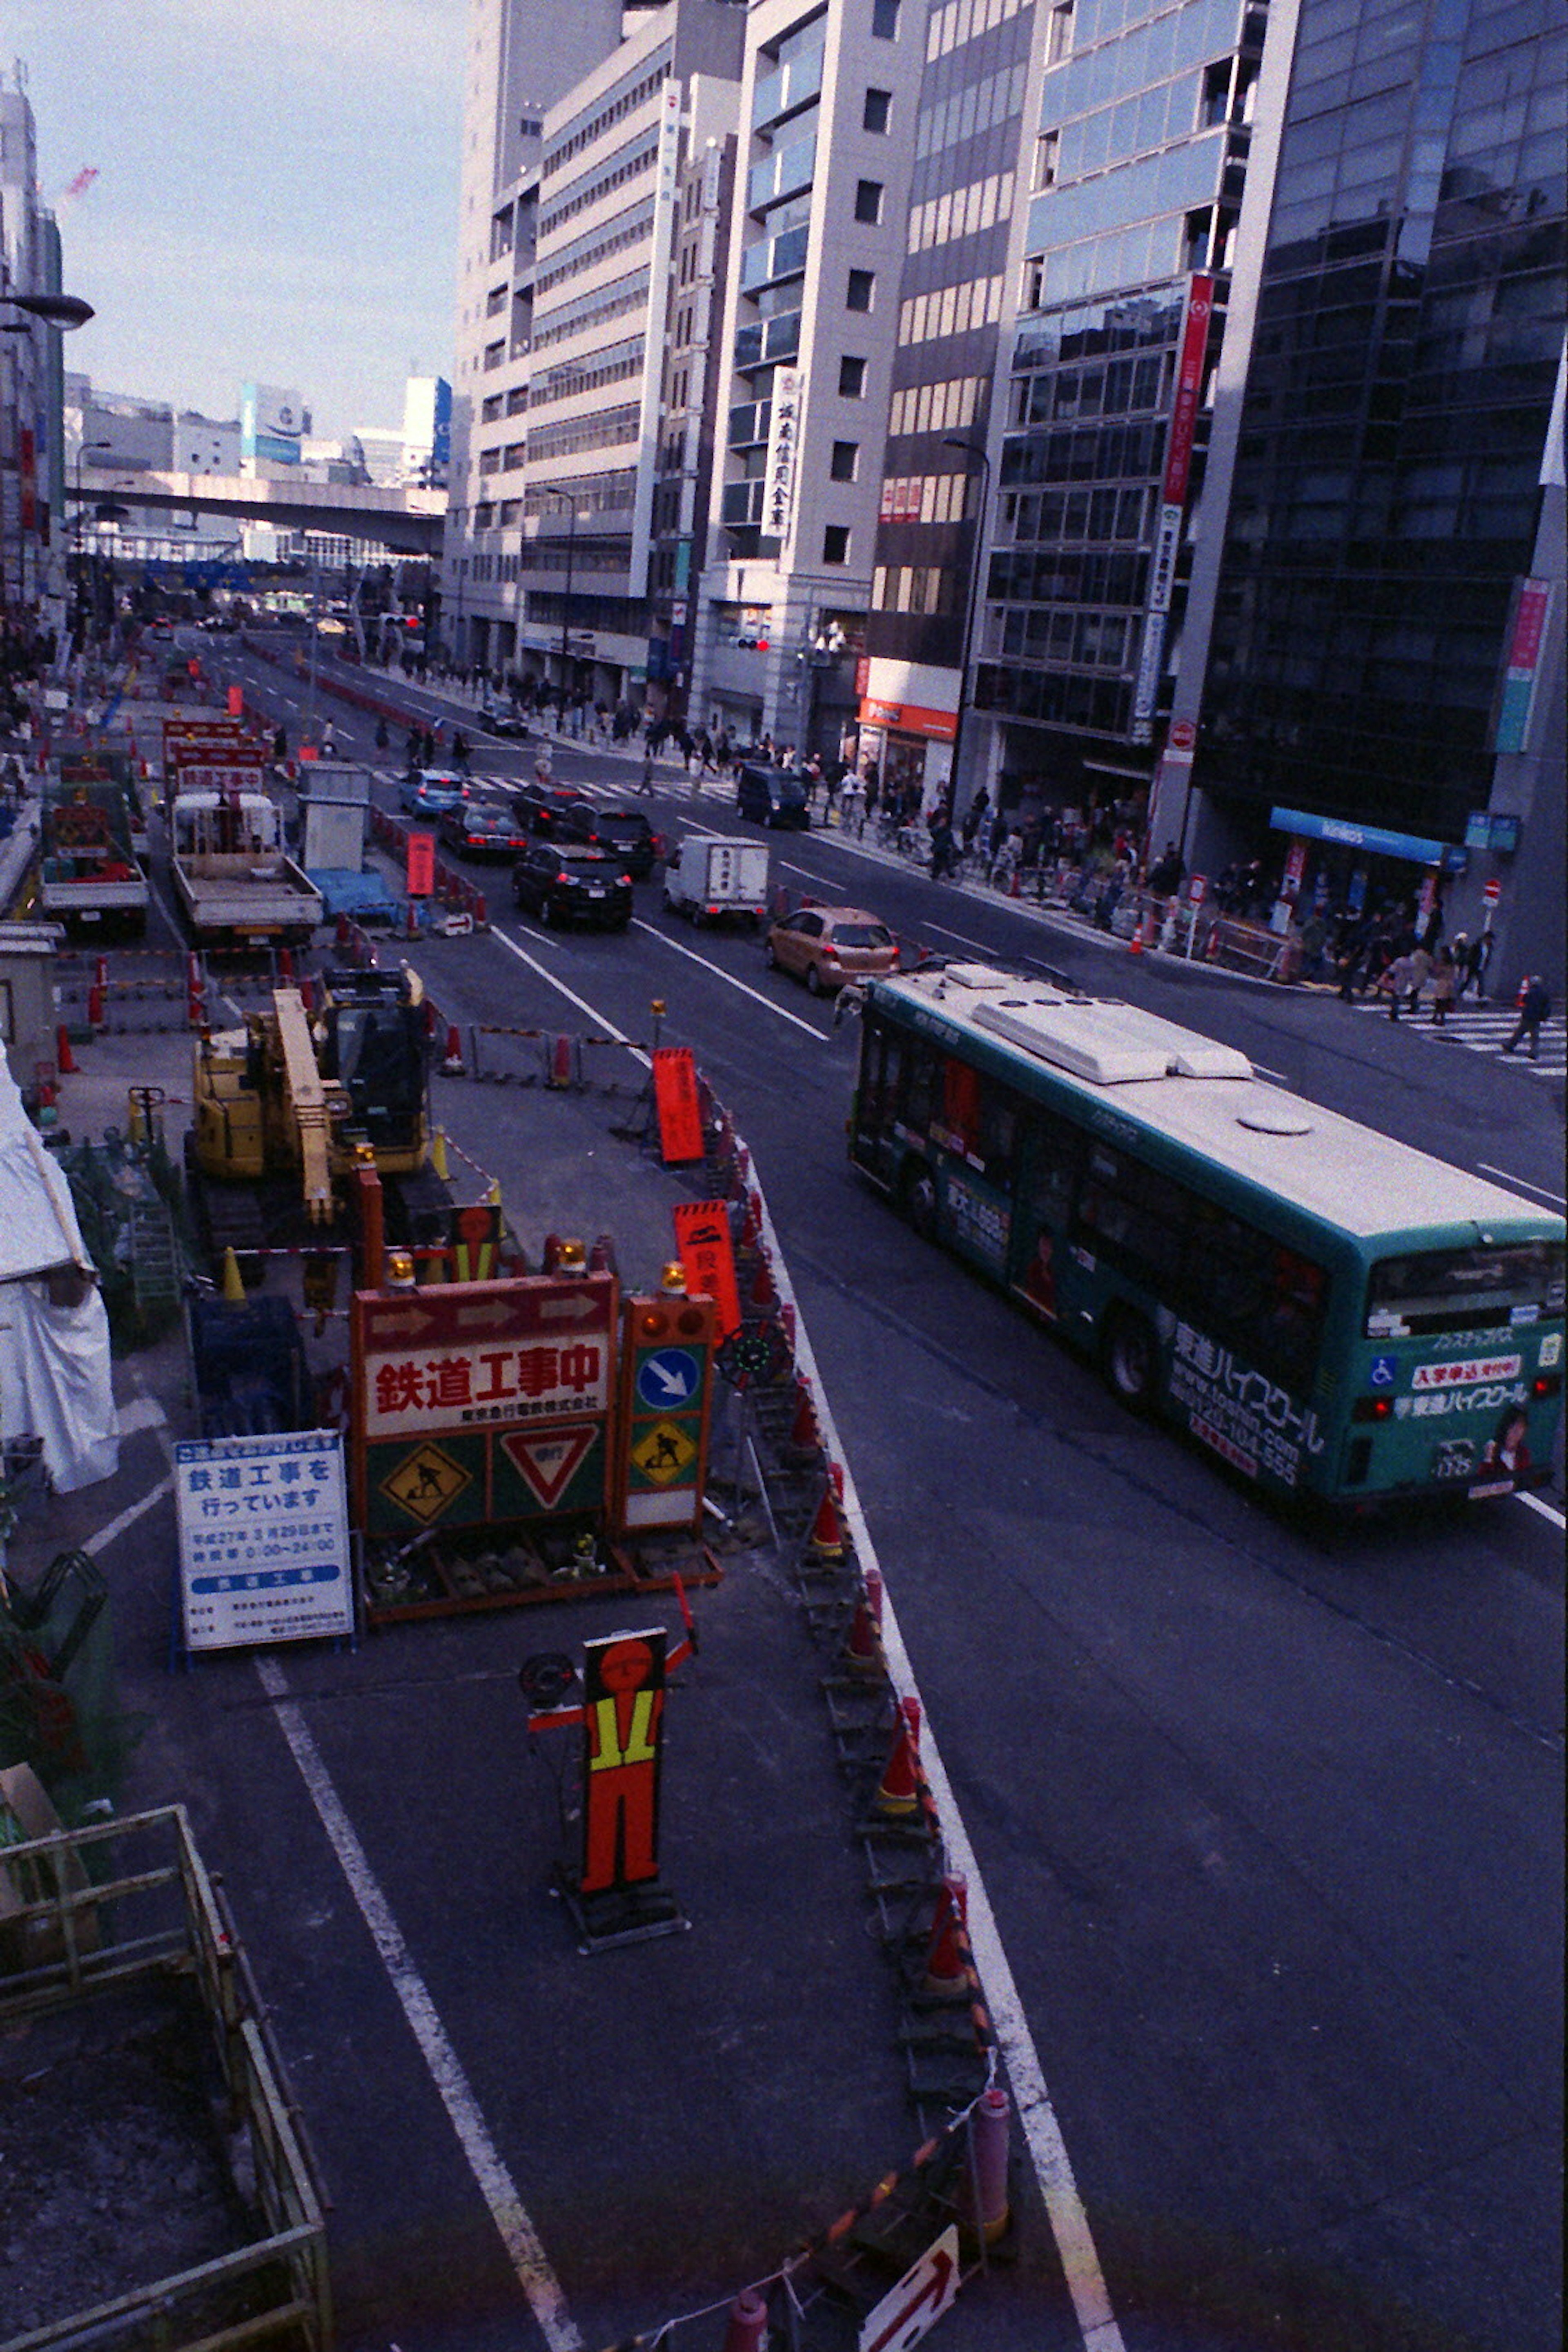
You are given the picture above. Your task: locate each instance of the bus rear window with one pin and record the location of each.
(1464, 1289)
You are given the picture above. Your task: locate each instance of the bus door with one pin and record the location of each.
(1041, 1270)
(873, 1144)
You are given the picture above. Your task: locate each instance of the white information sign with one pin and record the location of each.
(928, 2288)
(264, 1540)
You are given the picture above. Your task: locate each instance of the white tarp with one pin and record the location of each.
(56, 1376)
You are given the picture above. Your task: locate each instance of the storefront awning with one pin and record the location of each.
(1370, 838)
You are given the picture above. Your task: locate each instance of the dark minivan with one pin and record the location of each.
(776, 796)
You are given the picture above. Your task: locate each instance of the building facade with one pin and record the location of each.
(821, 203)
(33, 522)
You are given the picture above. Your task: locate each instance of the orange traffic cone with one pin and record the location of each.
(763, 1291)
(65, 1060)
(947, 1954)
(752, 1223)
(452, 1066)
(804, 1430)
(827, 1530)
(1135, 943)
(898, 1792)
(863, 1650)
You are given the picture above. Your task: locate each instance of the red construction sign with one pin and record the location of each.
(482, 1400)
(707, 1255)
(680, 1112)
(421, 865)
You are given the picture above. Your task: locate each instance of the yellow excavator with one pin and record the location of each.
(288, 1107)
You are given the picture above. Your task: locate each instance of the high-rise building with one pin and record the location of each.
(955, 312)
(32, 473)
(821, 204)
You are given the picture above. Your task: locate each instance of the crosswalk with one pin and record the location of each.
(1485, 1029)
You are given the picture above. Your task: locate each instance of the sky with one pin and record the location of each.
(275, 198)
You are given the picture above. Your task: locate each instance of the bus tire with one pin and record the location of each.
(916, 1198)
(1130, 1358)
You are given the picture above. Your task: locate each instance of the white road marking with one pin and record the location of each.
(720, 974)
(1052, 2166)
(607, 1027)
(1523, 1182)
(132, 1512)
(141, 1412)
(1546, 1510)
(526, 2256)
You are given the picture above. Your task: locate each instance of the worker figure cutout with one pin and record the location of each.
(616, 1896)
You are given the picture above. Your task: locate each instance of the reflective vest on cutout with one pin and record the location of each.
(639, 1748)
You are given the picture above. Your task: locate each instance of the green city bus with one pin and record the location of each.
(1333, 1313)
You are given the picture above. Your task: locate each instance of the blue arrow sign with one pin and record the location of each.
(668, 1379)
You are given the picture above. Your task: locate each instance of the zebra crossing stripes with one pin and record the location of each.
(1485, 1029)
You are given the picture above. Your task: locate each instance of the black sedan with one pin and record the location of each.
(483, 829)
(568, 882)
(626, 832)
(543, 806)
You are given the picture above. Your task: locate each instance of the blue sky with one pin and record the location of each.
(277, 194)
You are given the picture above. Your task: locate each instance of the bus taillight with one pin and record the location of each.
(1545, 1384)
(1376, 1408)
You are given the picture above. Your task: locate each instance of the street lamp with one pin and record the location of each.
(973, 456)
(62, 310)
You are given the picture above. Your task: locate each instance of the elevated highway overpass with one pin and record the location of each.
(404, 522)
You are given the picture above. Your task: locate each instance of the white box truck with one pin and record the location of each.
(712, 880)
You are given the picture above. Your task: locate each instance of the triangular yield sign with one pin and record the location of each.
(547, 1458)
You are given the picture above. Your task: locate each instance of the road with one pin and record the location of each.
(1269, 1815)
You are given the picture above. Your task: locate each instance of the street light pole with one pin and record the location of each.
(973, 456)
(89, 601)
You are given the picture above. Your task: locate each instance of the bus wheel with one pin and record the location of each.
(1129, 1358)
(919, 1200)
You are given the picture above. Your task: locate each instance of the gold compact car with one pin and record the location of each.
(828, 945)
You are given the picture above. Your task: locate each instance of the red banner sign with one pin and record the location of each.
(680, 1113)
(421, 865)
(1189, 389)
(707, 1254)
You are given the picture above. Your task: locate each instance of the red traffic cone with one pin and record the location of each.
(752, 1223)
(746, 2325)
(560, 1070)
(898, 1791)
(947, 1954)
(95, 1005)
(452, 1065)
(983, 2192)
(1135, 944)
(827, 1529)
(863, 1650)
(65, 1060)
(763, 1291)
(195, 993)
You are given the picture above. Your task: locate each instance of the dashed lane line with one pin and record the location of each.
(516, 2232)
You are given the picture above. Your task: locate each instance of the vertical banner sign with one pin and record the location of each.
(1523, 663)
(623, 1720)
(235, 701)
(480, 1401)
(706, 1251)
(661, 1442)
(1178, 475)
(784, 438)
(680, 1113)
(421, 865)
(264, 1540)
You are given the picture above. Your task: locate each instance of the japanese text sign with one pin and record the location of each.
(707, 1254)
(680, 1113)
(263, 1537)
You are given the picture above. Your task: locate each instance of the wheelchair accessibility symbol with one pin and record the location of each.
(1384, 1371)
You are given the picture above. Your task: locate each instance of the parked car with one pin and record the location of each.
(484, 829)
(431, 792)
(568, 882)
(777, 797)
(500, 719)
(624, 832)
(543, 806)
(828, 945)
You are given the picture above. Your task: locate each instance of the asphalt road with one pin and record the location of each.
(1269, 1816)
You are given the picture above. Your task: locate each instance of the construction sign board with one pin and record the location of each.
(909, 2310)
(707, 1254)
(662, 1426)
(478, 1402)
(263, 1539)
(680, 1112)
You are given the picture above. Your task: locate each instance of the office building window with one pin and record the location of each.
(835, 543)
(877, 107)
(851, 379)
(858, 295)
(846, 457)
(869, 200)
(885, 20)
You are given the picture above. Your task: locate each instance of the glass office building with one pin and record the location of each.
(1138, 167)
(1382, 531)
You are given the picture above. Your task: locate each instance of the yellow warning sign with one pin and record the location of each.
(663, 1452)
(426, 1483)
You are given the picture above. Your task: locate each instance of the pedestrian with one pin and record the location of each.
(1534, 1006)
(460, 751)
(1478, 956)
(413, 748)
(1420, 972)
(852, 801)
(647, 783)
(704, 753)
(975, 816)
(1395, 984)
(1443, 987)
(544, 773)
(870, 790)
(280, 745)
(942, 856)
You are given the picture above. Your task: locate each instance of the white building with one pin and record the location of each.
(817, 242)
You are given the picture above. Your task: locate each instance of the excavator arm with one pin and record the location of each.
(311, 1099)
